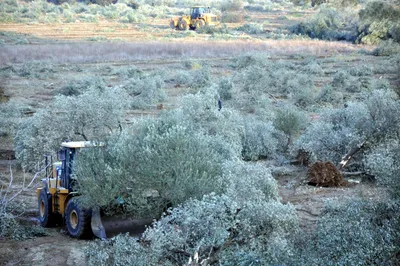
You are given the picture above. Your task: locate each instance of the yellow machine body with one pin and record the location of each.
(199, 16)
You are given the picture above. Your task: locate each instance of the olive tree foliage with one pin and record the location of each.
(330, 24)
(368, 123)
(262, 81)
(383, 163)
(162, 164)
(246, 225)
(88, 116)
(10, 114)
(145, 89)
(379, 21)
(200, 110)
(290, 121)
(352, 232)
(12, 207)
(260, 139)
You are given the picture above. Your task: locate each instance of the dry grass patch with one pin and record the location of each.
(86, 52)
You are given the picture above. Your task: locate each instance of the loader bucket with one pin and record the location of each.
(109, 226)
(97, 225)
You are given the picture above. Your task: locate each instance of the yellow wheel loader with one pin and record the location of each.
(57, 201)
(200, 16)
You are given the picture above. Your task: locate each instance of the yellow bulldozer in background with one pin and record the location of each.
(200, 16)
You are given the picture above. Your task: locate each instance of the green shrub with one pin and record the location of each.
(247, 219)
(353, 232)
(290, 121)
(231, 5)
(223, 29)
(11, 115)
(251, 28)
(201, 111)
(379, 21)
(312, 67)
(244, 61)
(329, 24)
(10, 211)
(259, 140)
(232, 17)
(374, 120)
(383, 163)
(181, 77)
(360, 71)
(162, 165)
(225, 88)
(91, 115)
(329, 95)
(145, 91)
(267, 78)
(386, 48)
(200, 77)
(131, 17)
(34, 69)
(76, 87)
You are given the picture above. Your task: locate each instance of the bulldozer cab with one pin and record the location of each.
(67, 156)
(198, 11)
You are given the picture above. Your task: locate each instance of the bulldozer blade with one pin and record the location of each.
(114, 225)
(97, 225)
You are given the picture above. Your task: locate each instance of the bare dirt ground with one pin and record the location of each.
(55, 249)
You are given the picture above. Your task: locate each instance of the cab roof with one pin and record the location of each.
(81, 144)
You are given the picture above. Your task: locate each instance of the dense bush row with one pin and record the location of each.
(375, 22)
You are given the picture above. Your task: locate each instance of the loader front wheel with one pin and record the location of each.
(46, 217)
(183, 25)
(78, 220)
(199, 24)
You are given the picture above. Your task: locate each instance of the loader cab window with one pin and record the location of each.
(61, 155)
(197, 11)
(66, 156)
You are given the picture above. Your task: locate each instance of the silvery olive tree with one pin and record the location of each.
(88, 116)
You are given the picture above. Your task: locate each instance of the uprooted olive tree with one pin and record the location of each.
(346, 135)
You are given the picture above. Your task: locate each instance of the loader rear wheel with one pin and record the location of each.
(46, 217)
(183, 25)
(78, 220)
(199, 24)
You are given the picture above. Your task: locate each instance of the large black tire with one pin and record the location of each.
(183, 25)
(46, 217)
(199, 24)
(78, 220)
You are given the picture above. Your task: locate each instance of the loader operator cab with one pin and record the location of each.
(66, 155)
(198, 11)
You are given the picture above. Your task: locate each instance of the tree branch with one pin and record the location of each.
(350, 155)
